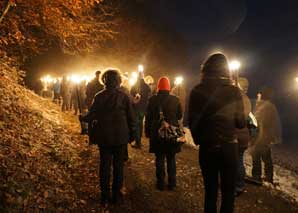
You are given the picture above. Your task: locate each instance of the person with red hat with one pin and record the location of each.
(170, 106)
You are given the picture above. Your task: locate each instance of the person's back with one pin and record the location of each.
(216, 105)
(170, 107)
(215, 111)
(115, 127)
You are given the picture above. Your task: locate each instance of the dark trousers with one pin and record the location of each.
(223, 163)
(160, 168)
(111, 156)
(139, 127)
(240, 182)
(262, 152)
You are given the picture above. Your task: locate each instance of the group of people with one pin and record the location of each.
(219, 117)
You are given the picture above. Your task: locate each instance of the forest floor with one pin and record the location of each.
(45, 164)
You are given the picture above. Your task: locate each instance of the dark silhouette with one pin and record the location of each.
(115, 127)
(172, 111)
(215, 111)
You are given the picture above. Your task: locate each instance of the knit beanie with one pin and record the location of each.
(164, 84)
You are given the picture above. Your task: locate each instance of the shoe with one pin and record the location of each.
(117, 197)
(104, 200)
(237, 193)
(160, 186)
(171, 187)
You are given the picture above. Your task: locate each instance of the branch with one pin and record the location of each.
(9, 4)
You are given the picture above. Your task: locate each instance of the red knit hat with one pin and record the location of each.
(164, 84)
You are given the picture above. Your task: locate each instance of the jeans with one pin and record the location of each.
(220, 162)
(240, 183)
(160, 168)
(109, 155)
(262, 152)
(139, 127)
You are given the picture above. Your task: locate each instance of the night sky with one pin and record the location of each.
(262, 34)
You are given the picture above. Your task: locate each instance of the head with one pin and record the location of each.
(111, 78)
(266, 93)
(164, 84)
(216, 66)
(244, 84)
(97, 74)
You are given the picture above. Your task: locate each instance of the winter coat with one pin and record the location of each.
(144, 90)
(243, 134)
(268, 122)
(93, 87)
(215, 111)
(172, 111)
(116, 120)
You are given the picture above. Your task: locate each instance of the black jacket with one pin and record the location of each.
(215, 111)
(171, 108)
(93, 87)
(144, 90)
(115, 117)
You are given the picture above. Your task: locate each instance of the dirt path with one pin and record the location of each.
(141, 195)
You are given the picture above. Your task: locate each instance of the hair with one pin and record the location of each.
(111, 78)
(97, 73)
(216, 66)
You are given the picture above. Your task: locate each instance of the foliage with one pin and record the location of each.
(74, 25)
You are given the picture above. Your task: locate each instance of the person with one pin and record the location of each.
(113, 111)
(57, 89)
(269, 133)
(93, 87)
(140, 93)
(215, 111)
(243, 137)
(171, 108)
(65, 94)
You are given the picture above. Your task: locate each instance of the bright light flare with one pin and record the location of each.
(234, 65)
(140, 68)
(132, 81)
(296, 79)
(178, 80)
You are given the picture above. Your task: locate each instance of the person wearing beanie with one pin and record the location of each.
(171, 108)
(215, 112)
(140, 93)
(115, 128)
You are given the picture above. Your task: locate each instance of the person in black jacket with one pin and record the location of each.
(113, 111)
(140, 93)
(93, 87)
(171, 108)
(215, 111)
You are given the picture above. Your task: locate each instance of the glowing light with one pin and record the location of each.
(132, 81)
(234, 65)
(134, 75)
(178, 80)
(149, 79)
(296, 79)
(140, 68)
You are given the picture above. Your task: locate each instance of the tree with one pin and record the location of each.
(73, 25)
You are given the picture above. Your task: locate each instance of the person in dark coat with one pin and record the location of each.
(243, 137)
(171, 107)
(215, 111)
(140, 93)
(93, 87)
(115, 128)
